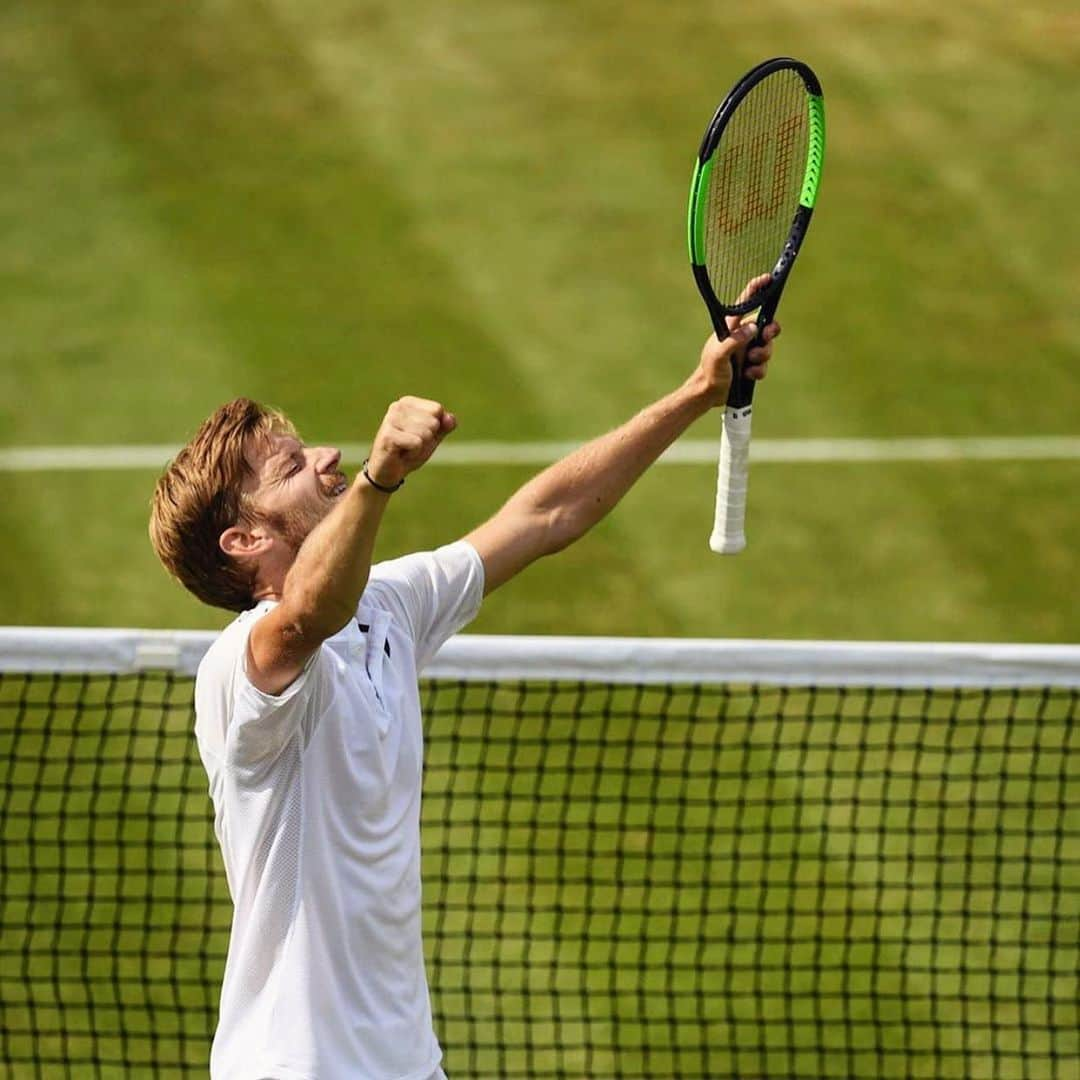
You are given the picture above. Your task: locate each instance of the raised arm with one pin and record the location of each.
(323, 586)
(563, 502)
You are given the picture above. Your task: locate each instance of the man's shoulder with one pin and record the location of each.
(432, 594)
(228, 647)
(454, 559)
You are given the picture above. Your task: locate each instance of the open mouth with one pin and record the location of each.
(339, 488)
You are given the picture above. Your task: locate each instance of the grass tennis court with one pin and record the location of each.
(328, 205)
(325, 205)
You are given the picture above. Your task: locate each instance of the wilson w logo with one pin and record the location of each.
(754, 176)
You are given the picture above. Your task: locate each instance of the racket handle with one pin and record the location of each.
(728, 535)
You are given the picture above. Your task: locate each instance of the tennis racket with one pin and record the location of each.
(751, 199)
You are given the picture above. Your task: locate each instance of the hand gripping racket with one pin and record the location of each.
(753, 192)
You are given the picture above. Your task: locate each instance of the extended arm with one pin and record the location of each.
(563, 502)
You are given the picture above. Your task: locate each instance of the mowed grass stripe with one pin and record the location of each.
(838, 553)
(546, 192)
(310, 266)
(573, 139)
(977, 114)
(943, 270)
(104, 329)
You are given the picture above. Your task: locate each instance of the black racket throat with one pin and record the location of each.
(765, 301)
(766, 298)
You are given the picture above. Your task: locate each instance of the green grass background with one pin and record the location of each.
(328, 204)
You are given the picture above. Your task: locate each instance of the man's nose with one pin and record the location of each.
(327, 459)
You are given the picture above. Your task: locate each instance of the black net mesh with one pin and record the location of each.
(619, 881)
(754, 184)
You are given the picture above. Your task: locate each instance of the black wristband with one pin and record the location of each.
(381, 487)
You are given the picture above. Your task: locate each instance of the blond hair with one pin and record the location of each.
(201, 494)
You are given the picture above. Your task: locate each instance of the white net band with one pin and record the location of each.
(599, 659)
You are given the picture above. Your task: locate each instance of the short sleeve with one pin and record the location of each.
(433, 593)
(242, 725)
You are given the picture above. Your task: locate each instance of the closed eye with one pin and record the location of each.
(287, 472)
(290, 460)
(297, 464)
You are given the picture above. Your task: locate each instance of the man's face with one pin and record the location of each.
(294, 486)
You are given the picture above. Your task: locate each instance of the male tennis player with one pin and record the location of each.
(308, 712)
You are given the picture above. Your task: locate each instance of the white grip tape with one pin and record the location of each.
(728, 537)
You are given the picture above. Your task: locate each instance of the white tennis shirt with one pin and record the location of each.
(316, 798)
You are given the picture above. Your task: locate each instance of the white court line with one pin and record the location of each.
(686, 452)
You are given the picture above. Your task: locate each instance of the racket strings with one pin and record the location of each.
(755, 184)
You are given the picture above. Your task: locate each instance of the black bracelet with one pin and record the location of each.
(381, 487)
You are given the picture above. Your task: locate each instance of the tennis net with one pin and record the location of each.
(642, 859)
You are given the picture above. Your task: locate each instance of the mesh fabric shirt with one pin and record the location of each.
(316, 796)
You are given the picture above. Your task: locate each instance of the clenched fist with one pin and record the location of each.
(409, 434)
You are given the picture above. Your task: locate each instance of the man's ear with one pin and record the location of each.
(243, 543)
